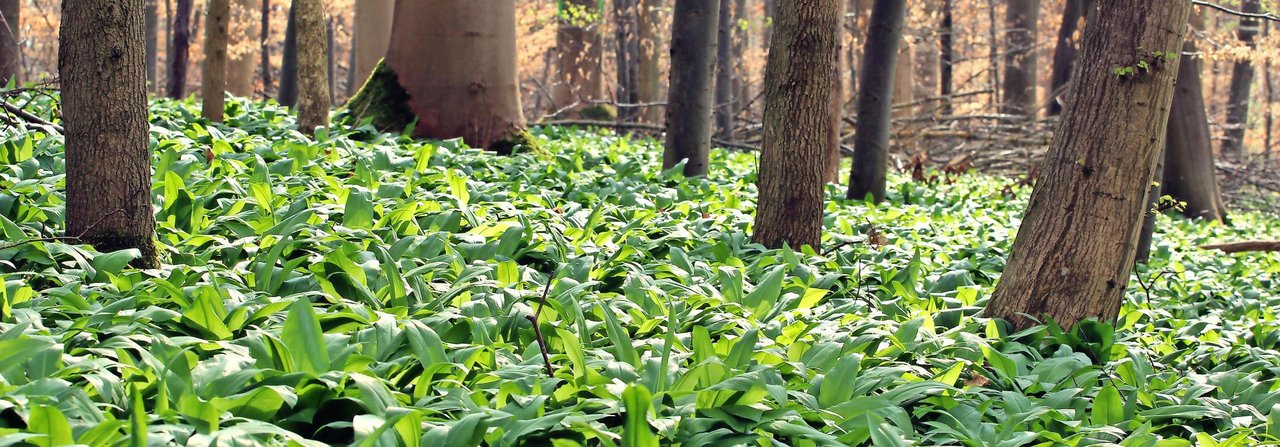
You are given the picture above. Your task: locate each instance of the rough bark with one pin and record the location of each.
(179, 49)
(313, 67)
(1241, 83)
(102, 63)
(452, 66)
(835, 107)
(798, 84)
(10, 61)
(875, 100)
(372, 34)
(579, 55)
(649, 76)
(724, 71)
(1065, 53)
(1075, 249)
(1189, 174)
(242, 63)
(1021, 23)
(213, 84)
(288, 94)
(690, 100)
(265, 39)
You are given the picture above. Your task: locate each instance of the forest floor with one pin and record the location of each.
(372, 289)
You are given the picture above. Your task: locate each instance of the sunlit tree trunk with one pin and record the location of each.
(311, 25)
(214, 75)
(580, 53)
(690, 101)
(1241, 84)
(372, 34)
(102, 63)
(1075, 249)
(626, 57)
(1021, 22)
(875, 100)
(242, 63)
(649, 82)
(179, 49)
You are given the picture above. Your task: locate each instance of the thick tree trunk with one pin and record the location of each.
(835, 107)
(724, 71)
(1021, 22)
(179, 49)
(372, 34)
(798, 85)
(102, 63)
(580, 53)
(151, 26)
(1065, 53)
(1075, 249)
(310, 24)
(213, 84)
(875, 100)
(649, 76)
(690, 100)
(1241, 84)
(10, 61)
(242, 65)
(1189, 173)
(288, 94)
(265, 39)
(452, 66)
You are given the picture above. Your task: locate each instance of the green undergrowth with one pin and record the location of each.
(369, 289)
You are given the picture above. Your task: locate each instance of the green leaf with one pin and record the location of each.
(47, 420)
(636, 431)
(137, 417)
(1108, 407)
(304, 338)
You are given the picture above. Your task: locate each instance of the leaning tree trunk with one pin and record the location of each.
(179, 49)
(1065, 53)
(1075, 249)
(313, 65)
(798, 81)
(835, 107)
(724, 71)
(242, 64)
(875, 100)
(213, 84)
(102, 63)
(1241, 83)
(452, 66)
(1021, 22)
(288, 94)
(372, 34)
(579, 55)
(690, 100)
(1189, 172)
(10, 61)
(648, 74)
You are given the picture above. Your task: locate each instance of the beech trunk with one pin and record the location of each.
(102, 63)
(724, 71)
(288, 94)
(242, 60)
(1075, 250)
(649, 75)
(311, 26)
(875, 100)
(372, 34)
(690, 100)
(179, 49)
(835, 107)
(213, 84)
(1189, 173)
(1241, 83)
(1021, 23)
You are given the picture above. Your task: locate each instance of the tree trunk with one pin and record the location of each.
(946, 56)
(331, 60)
(580, 53)
(10, 61)
(102, 63)
(1075, 249)
(1154, 192)
(1241, 84)
(925, 60)
(770, 11)
(213, 84)
(288, 94)
(875, 100)
(835, 107)
(452, 65)
(798, 85)
(1268, 124)
(1065, 53)
(626, 57)
(649, 82)
(690, 100)
(242, 64)
(151, 26)
(310, 24)
(265, 39)
(1021, 19)
(179, 49)
(724, 72)
(1189, 173)
(372, 34)
(741, 73)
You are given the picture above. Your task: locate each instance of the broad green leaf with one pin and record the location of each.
(304, 337)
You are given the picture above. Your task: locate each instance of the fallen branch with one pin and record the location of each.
(1244, 247)
(28, 117)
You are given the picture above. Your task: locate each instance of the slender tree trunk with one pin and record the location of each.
(1065, 53)
(313, 68)
(580, 55)
(288, 94)
(1189, 173)
(946, 84)
(179, 51)
(151, 26)
(1021, 20)
(741, 73)
(432, 73)
(1147, 235)
(1241, 84)
(798, 86)
(925, 61)
(993, 54)
(852, 51)
(875, 100)
(242, 63)
(724, 72)
(1269, 123)
(626, 57)
(1075, 249)
(835, 107)
(213, 84)
(265, 40)
(904, 91)
(102, 63)
(770, 12)
(372, 35)
(690, 100)
(331, 60)
(649, 76)
(10, 61)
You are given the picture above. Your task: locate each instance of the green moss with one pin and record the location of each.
(522, 139)
(382, 100)
(599, 112)
(106, 243)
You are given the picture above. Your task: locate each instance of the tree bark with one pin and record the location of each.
(10, 59)
(179, 50)
(1021, 23)
(265, 39)
(875, 100)
(580, 54)
(835, 107)
(1241, 83)
(213, 84)
(1189, 173)
(690, 100)
(452, 66)
(1075, 249)
(724, 72)
(372, 34)
(151, 26)
(798, 85)
(288, 94)
(242, 63)
(625, 15)
(310, 23)
(102, 63)
(1065, 53)
(649, 82)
